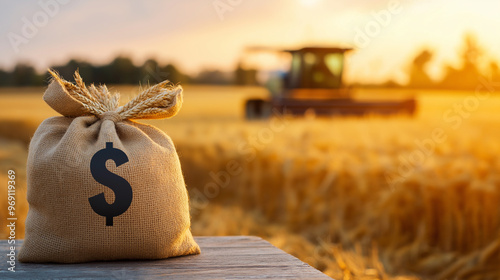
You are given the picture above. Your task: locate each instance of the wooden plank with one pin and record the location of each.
(228, 257)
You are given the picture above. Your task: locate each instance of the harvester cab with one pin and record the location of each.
(313, 69)
(314, 84)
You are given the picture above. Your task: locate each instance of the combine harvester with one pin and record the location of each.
(314, 85)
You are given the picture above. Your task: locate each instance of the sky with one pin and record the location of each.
(213, 34)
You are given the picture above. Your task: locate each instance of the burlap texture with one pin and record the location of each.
(61, 225)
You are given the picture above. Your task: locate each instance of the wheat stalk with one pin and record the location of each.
(81, 93)
(154, 101)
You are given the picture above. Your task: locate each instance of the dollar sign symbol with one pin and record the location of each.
(120, 186)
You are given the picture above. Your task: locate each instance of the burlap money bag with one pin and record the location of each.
(61, 225)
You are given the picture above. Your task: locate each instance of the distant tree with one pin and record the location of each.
(5, 78)
(419, 78)
(153, 73)
(466, 76)
(214, 77)
(102, 74)
(245, 76)
(391, 84)
(67, 71)
(173, 74)
(25, 75)
(122, 71)
(150, 72)
(494, 72)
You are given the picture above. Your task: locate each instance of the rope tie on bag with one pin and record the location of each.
(112, 116)
(162, 100)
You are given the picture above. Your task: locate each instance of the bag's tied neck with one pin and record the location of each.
(112, 116)
(162, 100)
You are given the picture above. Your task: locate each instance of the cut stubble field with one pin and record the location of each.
(358, 198)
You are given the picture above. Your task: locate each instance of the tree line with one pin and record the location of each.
(474, 67)
(121, 70)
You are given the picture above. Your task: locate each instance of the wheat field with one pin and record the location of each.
(358, 198)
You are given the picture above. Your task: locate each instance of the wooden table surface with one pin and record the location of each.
(228, 257)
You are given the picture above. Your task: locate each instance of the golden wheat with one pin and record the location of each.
(339, 193)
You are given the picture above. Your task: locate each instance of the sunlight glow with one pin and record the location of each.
(309, 3)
